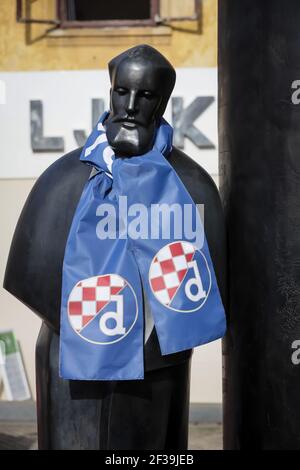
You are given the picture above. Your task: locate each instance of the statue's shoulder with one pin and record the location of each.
(196, 179)
(66, 170)
(37, 249)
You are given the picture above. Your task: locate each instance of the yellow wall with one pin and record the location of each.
(186, 44)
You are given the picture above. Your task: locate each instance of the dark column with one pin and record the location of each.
(259, 59)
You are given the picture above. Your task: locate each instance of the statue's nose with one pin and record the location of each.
(132, 102)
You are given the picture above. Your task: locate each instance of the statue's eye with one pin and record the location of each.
(147, 94)
(120, 90)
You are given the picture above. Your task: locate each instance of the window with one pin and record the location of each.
(97, 13)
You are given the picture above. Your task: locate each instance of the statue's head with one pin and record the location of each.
(142, 81)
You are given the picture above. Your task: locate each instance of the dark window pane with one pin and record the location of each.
(93, 10)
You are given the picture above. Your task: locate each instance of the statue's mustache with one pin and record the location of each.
(126, 118)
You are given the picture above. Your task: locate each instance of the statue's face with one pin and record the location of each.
(135, 102)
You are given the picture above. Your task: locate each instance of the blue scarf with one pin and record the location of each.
(120, 247)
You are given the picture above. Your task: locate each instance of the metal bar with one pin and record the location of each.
(198, 8)
(62, 10)
(19, 10)
(154, 9)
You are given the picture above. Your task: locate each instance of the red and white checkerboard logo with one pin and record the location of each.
(89, 299)
(168, 272)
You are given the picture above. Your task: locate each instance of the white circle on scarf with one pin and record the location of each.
(179, 277)
(102, 309)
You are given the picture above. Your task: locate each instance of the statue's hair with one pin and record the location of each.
(142, 54)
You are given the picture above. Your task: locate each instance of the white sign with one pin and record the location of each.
(12, 371)
(64, 100)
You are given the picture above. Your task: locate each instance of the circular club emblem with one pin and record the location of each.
(102, 309)
(179, 277)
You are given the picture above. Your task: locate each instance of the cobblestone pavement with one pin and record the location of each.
(22, 435)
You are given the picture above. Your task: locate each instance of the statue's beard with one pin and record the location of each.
(129, 142)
